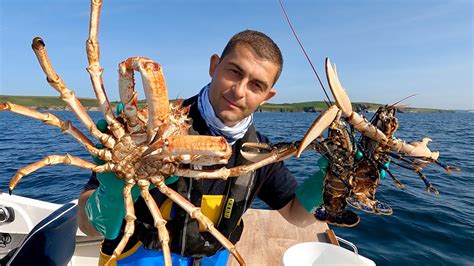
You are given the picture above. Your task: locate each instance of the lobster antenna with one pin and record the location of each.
(304, 51)
(402, 100)
(392, 105)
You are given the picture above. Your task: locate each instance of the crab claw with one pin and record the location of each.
(319, 125)
(214, 147)
(256, 152)
(4, 106)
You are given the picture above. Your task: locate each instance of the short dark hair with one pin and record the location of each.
(262, 45)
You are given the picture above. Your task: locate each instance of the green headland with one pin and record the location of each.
(55, 103)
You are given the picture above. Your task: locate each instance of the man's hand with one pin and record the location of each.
(105, 208)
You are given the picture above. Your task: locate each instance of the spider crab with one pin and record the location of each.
(143, 146)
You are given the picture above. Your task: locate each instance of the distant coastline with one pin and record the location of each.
(50, 103)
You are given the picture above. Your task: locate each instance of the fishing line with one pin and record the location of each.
(304, 51)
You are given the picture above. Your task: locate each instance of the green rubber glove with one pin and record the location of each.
(105, 209)
(310, 193)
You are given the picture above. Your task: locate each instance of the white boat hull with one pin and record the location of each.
(28, 213)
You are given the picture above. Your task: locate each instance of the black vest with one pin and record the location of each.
(189, 241)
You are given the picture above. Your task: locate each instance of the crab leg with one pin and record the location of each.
(160, 222)
(65, 126)
(366, 128)
(196, 213)
(130, 221)
(223, 173)
(95, 70)
(93, 55)
(319, 125)
(57, 159)
(155, 90)
(68, 95)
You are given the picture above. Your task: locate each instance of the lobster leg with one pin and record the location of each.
(395, 180)
(68, 95)
(418, 162)
(65, 126)
(196, 213)
(410, 160)
(57, 159)
(428, 187)
(446, 167)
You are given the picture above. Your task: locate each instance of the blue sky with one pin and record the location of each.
(384, 50)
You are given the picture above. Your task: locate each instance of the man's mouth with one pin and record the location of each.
(231, 103)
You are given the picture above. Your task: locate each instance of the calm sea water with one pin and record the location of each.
(424, 229)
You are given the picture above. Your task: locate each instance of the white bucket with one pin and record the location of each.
(316, 253)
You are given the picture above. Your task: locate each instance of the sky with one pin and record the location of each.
(384, 50)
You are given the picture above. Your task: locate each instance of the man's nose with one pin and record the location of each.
(239, 89)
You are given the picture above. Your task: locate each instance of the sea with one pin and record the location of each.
(424, 228)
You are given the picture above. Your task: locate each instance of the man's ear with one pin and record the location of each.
(214, 61)
(270, 94)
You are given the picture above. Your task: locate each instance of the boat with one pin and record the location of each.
(266, 240)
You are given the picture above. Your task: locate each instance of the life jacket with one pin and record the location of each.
(185, 238)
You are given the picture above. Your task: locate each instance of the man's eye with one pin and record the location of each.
(234, 71)
(257, 87)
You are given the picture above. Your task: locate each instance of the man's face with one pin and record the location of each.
(241, 82)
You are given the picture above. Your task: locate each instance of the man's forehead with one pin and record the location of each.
(240, 48)
(242, 52)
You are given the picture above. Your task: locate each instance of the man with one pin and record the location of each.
(242, 79)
